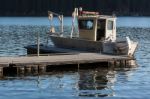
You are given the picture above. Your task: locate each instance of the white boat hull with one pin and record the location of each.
(120, 47)
(77, 44)
(116, 48)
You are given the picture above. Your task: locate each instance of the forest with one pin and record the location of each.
(40, 7)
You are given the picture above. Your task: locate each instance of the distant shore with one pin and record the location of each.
(66, 7)
(69, 15)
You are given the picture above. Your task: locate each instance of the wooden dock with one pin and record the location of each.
(38, 63)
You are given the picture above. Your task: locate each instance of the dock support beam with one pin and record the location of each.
(78, 67)
(34, 69)
(28, 69)
(20, 70)
(1, 72)
(42, 69)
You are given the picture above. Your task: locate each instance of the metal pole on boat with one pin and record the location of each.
(38, 45)
(62, 30)
(74, 15)
(61, 23)
(73, 22)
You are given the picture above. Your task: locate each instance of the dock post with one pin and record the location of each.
(28, 69)
(125, 63)
(128, 63)
(38, 44)
(34, 69)
(109, 64)
(78, 66)
(1, 72)
(120, 63)
(112, 64)
(115, 63)
(20, 70)
(42, 69)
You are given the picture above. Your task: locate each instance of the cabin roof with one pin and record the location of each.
(97, 16)
(106, 16)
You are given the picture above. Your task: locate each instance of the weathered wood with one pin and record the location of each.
(42, 69)
(35, 70)
(28, 69)
(1, 72)
(35, 65)
(20, 70)
(61, 59)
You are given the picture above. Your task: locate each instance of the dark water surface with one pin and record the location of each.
(110, 83)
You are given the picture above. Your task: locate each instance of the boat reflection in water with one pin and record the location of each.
(100, 82)
(97, 81)
(92, 80)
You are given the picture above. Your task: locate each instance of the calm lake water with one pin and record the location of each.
(109, 83)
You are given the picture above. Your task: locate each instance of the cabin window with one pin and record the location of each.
(86, 24)
(110, 25)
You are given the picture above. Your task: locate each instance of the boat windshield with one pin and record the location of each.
(86, 24)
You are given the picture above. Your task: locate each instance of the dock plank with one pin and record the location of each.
(60, 59)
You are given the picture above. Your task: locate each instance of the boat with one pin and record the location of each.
(96, 33)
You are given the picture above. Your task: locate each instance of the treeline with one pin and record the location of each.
(40, 7)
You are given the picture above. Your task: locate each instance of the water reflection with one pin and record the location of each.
(96, 83)
(90, 82)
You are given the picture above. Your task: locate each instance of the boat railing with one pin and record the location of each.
(60, 17)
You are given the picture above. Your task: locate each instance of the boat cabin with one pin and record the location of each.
(96, 27)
